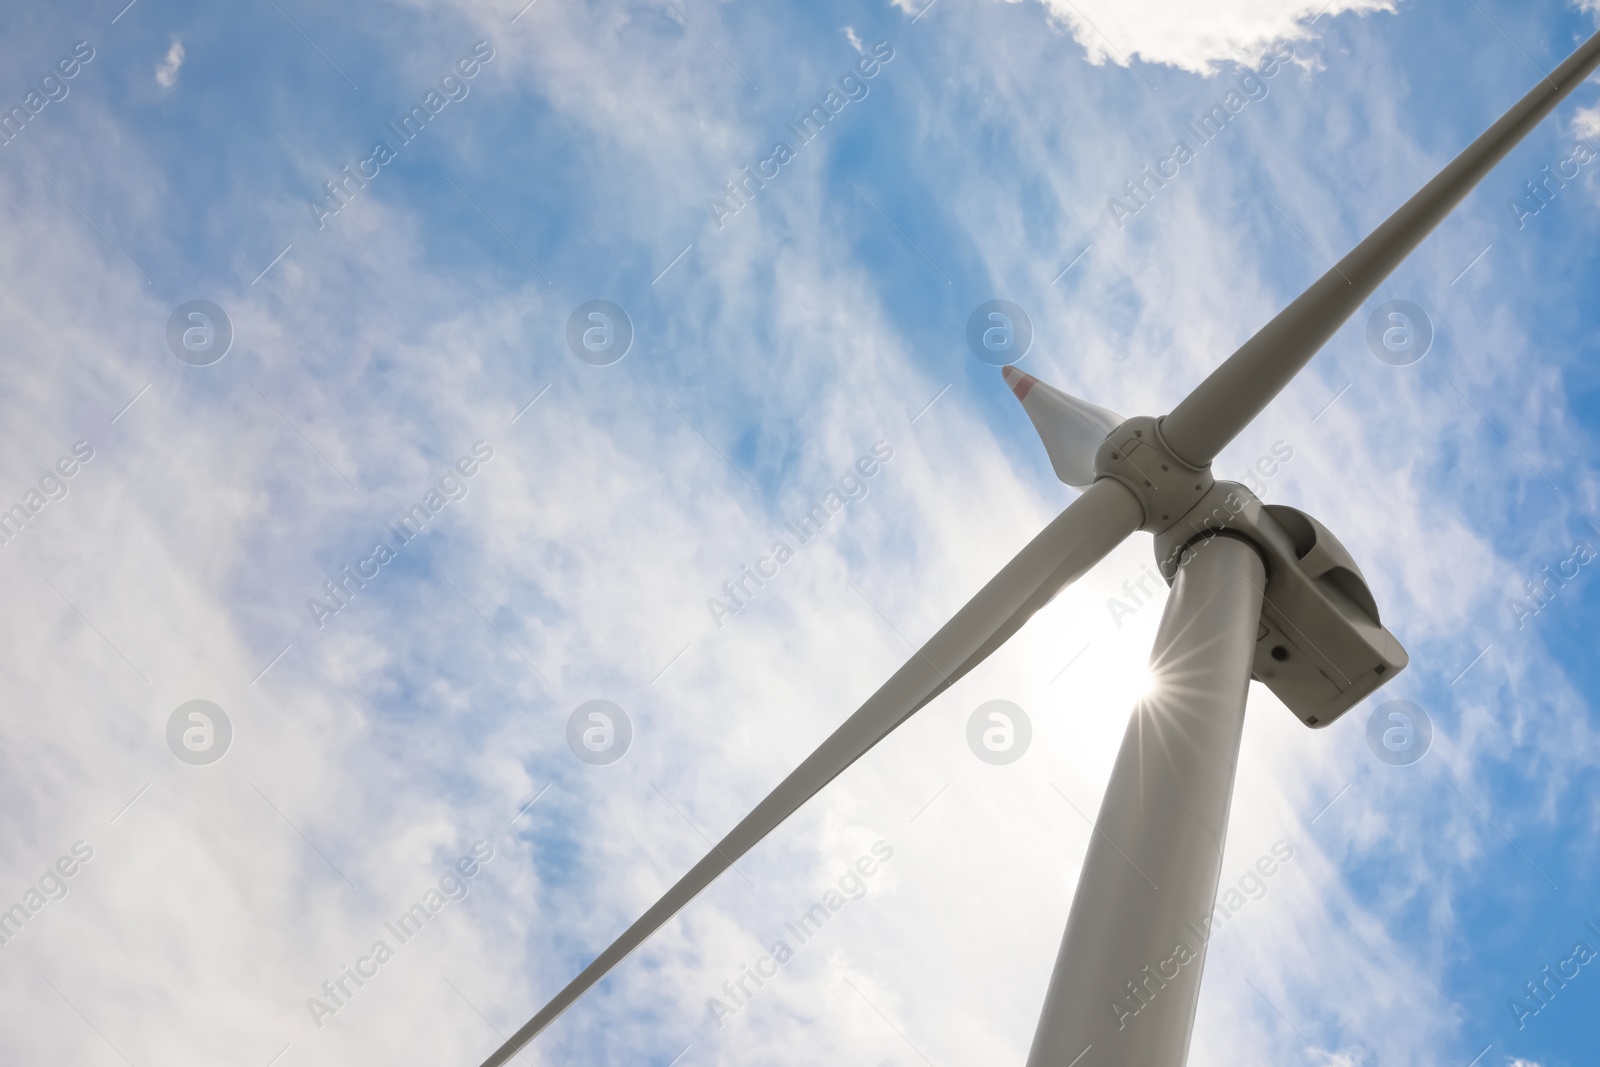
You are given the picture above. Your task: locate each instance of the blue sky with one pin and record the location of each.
(771, 352)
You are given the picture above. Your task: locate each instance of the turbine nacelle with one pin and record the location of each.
(1322, 648)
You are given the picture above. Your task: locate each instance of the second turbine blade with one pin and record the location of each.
(1237, 391)
(1074, 541)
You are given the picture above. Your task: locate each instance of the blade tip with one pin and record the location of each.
(1019, 381)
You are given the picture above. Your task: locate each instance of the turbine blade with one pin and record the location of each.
(1075, 540)
(1071, 429)
(1236, 392)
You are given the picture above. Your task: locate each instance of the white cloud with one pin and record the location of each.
(1194, 36)
(167, 72)
(1586, 121)
(850, 35)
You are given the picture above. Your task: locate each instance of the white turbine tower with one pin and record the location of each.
(1258, 591)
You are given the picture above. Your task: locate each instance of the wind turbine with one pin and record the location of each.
(1257, 591)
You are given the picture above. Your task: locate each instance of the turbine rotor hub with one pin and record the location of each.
(1136, 455)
